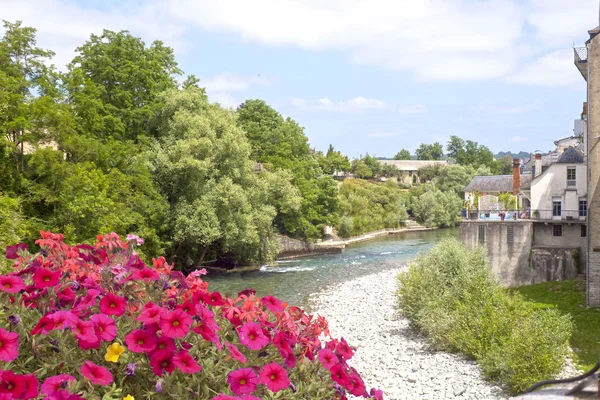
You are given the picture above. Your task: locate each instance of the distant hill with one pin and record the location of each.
(523, 155)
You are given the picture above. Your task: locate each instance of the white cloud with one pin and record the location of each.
(415, 109)
(232, 83)
(512, 109)
(517, 139)
(326, 104)
(554, 69)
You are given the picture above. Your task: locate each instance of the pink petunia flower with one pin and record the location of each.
(272, 304)
(188, 307)
(9, 345)
(12, 252)
(242, 381)
(96, 374)
(165, 343)
(43, 278)
(63, 395)
(140, 341)
(83, 303)
(250, 397)
(235, 353)
(44, 325)
(328, 358)
(85, 330)
(111, 304)
(32, 386)
(67, 295)
(275, 377)
(56, 383)
(11, 284)
(222, 396)
(13, 384)
(151, 313)
(175, 324)
(106, 325)
(376, 394)
(355, 385)
(94, 343)
(162, 361)
(213, 299)
(339, 375)
(145, 274)
(252, 336)
(344, 350)
(186, 363)
(63, 320)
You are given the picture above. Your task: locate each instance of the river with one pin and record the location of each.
(295, 280)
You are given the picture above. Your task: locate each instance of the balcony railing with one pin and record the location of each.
(564, 215)
(581, 57)
(511, 215)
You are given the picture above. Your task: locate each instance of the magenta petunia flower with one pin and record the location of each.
(96, 374)
(252, 336)
(151, 313)
(222, 396)
(175, 324)
(67, 295)
(63, 320)
(106, 325)
(9, 345)
(13, 384)
(43, 278)
(272, 304)
(213, 299)
(275, 377)
(186, 363)
(44, 325)
(235, 353)
(355, 385)
(344, 350)
(328, 358)
(165, 343)
(12, 252)
(208, 333)
(242, 381)
(56, 383)
(140, 341)
(376, 394)
(162, 361)
(145, 274)
(86, 344)
(32, 386)
(83, 303)
(188, 307)
(63, 395)
(85, 330)
(11, 284)
(339, 375)
(111, 304)
(250, 397)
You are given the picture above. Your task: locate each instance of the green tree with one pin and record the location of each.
(333, 161)
(403, 155)
(505, 165)
(470, 153)
(373, 163)
(433, 151)
(436, 208)
(362, 170)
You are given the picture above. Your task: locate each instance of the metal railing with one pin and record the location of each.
(537, 215)
(554, 215)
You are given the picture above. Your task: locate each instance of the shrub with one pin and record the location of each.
(96, 322)
(451, 296)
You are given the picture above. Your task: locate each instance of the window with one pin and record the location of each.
(583, 231)
(481, 234)
(556, 230)
(583, 208)
(556, 207)
(510, 234)
(571, 176)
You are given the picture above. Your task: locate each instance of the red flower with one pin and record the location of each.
(89, 300)
(235, 353)
(242, 381)
(145, 274)
(166, 343)
(140, 341)
(186, 363)
(355, 385)
(11, 284)
(91, 344)
(111, 304)
(175, 324)
(44, 325)
(162, 361)
(44, 278)
(274, 377)
(67, 294)
(85, 330)
(344, 350)
(208, 333)
(13, 384)
(9, 345)
(213, 299)
(338, 375)
(328, 359)
(272, 304)
(31, 386)
(96, 374)
(56, 383)
(63, 320)
(106, 325)
(12, 251)
(252, 336)
(222, 396)
(188, 307)
(151, 314)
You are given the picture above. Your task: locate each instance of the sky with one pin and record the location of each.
(368, 76)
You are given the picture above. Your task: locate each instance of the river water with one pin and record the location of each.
(295, 280)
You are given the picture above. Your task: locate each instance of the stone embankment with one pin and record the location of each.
(390, 355)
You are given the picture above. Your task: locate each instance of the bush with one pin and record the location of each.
(96, 322)
(450, 295)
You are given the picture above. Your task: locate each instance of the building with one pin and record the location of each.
(410, 168)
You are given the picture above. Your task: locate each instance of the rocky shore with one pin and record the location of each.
(390, 355)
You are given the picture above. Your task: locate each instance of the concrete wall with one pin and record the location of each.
(593, 78)
(543, 236)
(553, 183)
(521, 262)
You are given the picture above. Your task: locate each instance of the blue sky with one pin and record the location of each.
(364, 75)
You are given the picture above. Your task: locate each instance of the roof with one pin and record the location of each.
(556, 142)
(412, 165)
(494, 183)
(571, 156)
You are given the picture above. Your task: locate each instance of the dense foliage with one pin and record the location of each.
(97, 322)
(366, 207)
(451, 296)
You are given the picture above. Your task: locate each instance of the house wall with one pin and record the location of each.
(593, 124)
(520, 262)
(543, 236)
(553, 182)
(564, 144)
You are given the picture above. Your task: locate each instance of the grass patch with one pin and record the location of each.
(568, 297)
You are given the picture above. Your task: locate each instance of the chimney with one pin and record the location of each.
(537, 169)
(516, 175)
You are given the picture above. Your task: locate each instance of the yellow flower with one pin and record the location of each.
(129, 397)
(113, 352)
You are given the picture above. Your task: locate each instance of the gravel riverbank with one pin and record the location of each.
(390, 355)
